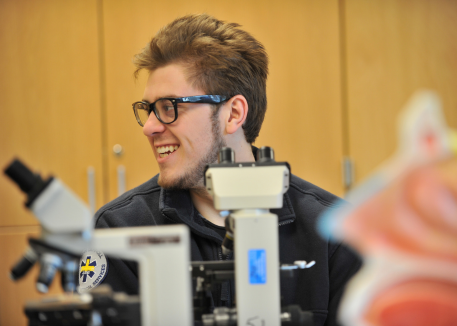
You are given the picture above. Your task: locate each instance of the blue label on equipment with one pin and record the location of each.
(257, 266)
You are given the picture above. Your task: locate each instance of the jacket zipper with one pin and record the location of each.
(285, 222)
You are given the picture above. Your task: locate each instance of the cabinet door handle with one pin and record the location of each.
(91, 188)
(118, 150)
(120, 179)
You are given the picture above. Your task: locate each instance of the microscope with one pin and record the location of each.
(67, 231)
(246, 192)
(243, 191)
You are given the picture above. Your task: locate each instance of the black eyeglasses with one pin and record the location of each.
(166, 109)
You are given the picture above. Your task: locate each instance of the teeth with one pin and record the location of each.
(164, 149)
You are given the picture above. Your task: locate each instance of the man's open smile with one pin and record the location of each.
(166, 150)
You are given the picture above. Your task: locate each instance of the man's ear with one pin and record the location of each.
(236, 111)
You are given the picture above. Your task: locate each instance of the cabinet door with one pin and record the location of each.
(303, 120)
(49, 118)
(50, 102)
(393, 49)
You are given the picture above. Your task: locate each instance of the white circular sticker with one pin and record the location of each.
(93, 269)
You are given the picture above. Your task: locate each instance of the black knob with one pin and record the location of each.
(226, 155)
(265, 154)
(24, 264)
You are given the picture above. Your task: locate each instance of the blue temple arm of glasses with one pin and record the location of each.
(202, 99)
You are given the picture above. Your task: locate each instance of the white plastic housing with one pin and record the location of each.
(59, 210)
(247, 187)
(164, 260)
(259, 303)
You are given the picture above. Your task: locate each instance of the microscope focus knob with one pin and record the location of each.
(226, 155)
(265, 154)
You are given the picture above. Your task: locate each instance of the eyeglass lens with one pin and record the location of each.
(164, 110)
(141, 112)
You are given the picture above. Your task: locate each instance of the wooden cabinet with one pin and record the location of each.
(50, 97)
(49, 117)
(340, 71)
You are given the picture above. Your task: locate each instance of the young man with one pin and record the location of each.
(207, 89)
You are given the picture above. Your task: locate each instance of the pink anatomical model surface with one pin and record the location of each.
(403, 222)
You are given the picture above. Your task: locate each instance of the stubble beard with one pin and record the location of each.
(192, 179)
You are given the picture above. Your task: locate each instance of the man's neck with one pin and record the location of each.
(202, 199)
(205, 206)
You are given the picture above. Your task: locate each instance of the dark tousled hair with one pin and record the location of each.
(219, 58)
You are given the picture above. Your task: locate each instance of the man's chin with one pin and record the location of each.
(180, 182)
(164, 182)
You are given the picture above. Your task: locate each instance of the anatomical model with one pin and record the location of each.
(403, 222)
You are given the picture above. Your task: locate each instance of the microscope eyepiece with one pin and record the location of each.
(226, 155)
(22, 176)
(265, 154)
(30, 183)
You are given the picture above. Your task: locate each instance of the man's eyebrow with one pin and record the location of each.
(166, 96)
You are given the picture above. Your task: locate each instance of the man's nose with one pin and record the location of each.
(153, 126)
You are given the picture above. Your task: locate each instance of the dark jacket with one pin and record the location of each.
(317, 289)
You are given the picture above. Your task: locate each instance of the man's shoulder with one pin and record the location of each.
(302, 188)
(120, 211)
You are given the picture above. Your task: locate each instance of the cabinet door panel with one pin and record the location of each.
(393, 49)
(49, 118)
(303, 120)
(50, 96)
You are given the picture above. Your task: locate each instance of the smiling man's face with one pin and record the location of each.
(184, 147)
